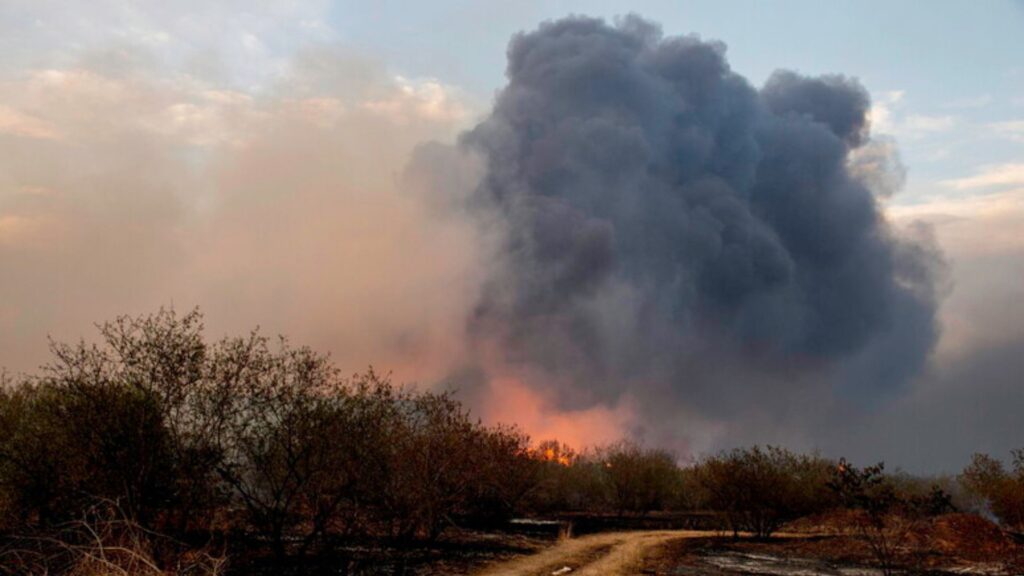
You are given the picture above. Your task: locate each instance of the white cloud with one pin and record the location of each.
(925, 124)
(880, 118)
(880, 114)
(246, 43)
(989, 177)
(973, 103)
(893, 96)
(427, 99)
(1014, 129)
(889, 115)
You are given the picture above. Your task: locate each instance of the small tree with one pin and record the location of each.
(569, 481)
(276, 418)
(885, 519)
(1000, 490)
(81, 433)
(641, 479)
(165, 356)
(508, 473)
(435, 459)
(758, 489)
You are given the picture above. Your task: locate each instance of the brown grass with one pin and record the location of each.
(104, 542)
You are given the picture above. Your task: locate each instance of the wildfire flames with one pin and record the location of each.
(550, 455)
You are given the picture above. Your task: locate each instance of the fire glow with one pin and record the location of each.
(550, 455)
(510, 400)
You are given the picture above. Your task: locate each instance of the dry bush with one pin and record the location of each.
(66, 445)
(999, 490)
(104, 541)
(641, 479)
(568, 481)
(436, 465)
(110, 421)
(431, 466)
(242, 439)
(278, 421)
(508, 472)
(884, 517)
(759, 489)
(619, 478)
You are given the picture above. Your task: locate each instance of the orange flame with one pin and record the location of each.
(551, 456)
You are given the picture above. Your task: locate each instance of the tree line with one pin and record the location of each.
(157, 449)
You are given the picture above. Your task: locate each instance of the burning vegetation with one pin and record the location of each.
(554, 451)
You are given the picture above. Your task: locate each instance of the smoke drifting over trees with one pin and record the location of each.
(631, 240)
(673, 234)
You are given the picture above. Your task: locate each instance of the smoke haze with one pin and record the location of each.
(630, 240)
(124, 191)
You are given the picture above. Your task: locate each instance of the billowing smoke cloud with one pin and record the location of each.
(633, 241)
(674, 235)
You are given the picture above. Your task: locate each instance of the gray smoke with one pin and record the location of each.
(673, 233)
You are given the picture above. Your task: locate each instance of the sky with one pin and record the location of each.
(259, 160)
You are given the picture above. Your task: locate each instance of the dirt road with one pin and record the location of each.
(599, 554)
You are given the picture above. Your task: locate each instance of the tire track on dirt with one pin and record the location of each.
(598, 554)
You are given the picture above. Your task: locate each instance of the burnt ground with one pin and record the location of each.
(459, 552)
(824, 555)
(950, 544)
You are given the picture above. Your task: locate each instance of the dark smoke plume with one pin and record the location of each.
(673, 233)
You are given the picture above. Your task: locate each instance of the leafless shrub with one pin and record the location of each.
(266, 445)
(104, 541)
(999, 490)
(758, 489)
(620, 478)
(641, 479)
(277, 419)
(883, 517)
(439, 463)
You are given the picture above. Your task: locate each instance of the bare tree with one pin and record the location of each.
(276, 417)
(641, 479)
